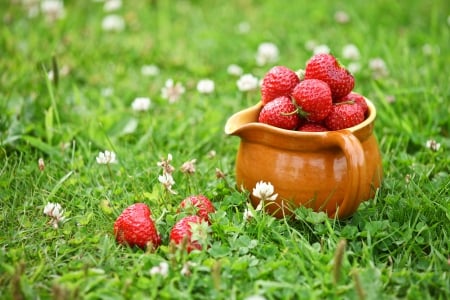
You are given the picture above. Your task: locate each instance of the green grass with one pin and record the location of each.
(396, 245)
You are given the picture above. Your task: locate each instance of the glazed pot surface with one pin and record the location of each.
(332, 171)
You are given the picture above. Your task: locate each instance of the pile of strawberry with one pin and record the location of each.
(135, 226)
(323, 100)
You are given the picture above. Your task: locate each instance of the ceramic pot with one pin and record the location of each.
(332, 171)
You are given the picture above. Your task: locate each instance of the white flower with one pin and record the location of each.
(248, 214)
(378, 67)
(107, 157)
(255, 297)
(52, 9)
(264, 191)
(112, 5)
(171, 91)
(113, 23)
(247, 82)
(267, 53)
(243, 27)
(205, 86)
(186, 270)
(41, 164)
(427, 49)
(55, 212)
(433, 145)
(341, 17)
(350, 51)
(234, 70)
(310, 45)
(321, 49)
(354, 67)
(141, 104)
(162, 269)
(167, 181)
(107, 91)
(189, 167)
(150, 70)
(165, 164)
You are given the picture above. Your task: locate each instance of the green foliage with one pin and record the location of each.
(396, 245)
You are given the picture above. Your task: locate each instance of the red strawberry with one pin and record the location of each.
(280, 112)
(357, 98)
(192, 230)
(134, 227)
(344, 115)
(279, 81)
(326, 68)
(313, 96)
(198, 205)
(312, 127)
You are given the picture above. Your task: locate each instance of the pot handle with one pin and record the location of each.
(354, 155)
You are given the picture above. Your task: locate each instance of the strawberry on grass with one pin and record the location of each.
(199, 205)
(134, 227)
(190, 232)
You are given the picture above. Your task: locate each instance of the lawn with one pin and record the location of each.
(95, 77)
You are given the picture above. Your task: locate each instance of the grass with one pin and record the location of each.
(395, 246)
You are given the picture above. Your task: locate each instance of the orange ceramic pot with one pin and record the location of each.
(332, 171)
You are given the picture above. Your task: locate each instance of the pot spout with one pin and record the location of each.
(240, 120)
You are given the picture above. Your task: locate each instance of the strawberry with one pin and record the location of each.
(344, 115)
(312, 127)
(357, 98)
(326, 68)
(313, 96)
(278, 81)
(134, 227)
(280, 112)
(191, 231)
(198, 205)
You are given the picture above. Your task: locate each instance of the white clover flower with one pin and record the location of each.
(112, 5)
(310, 45)
(161, 269)
(255, 297)
(205, 86)
(55, 212)
(319, 49)
(41, 164)
(167, 181)
(350, 51)
(107, 91)
(150, 70)
(165, 164)
(107, 157)
(247, 82)
(264, 191)
(172, 92)
(113, 23)
(267, 53)
(427, 49)
(186, 270)
(378, 67)
(141, 104)
(189, 167)
(234, 70)
(248, 215)
(341, 17)
(433, 145)
(354, 67)
(243, 27)
(52, 9)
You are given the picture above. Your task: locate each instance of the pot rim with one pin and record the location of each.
(231, 130)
